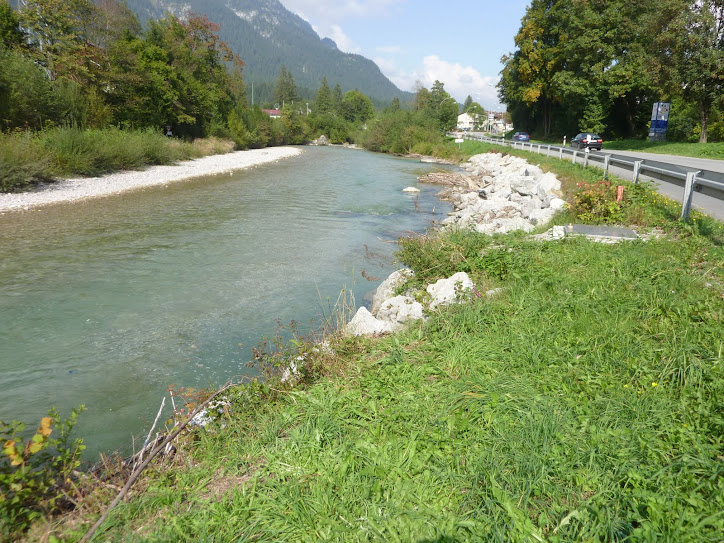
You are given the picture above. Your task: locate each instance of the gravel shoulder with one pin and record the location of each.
(69, 190)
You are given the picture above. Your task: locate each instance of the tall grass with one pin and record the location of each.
(62, 152)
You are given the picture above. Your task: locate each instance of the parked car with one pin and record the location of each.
(521, 136)
(587, 140)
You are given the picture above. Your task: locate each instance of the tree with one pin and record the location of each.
(466, 104)
(445, 107)
(699, 57)
(477, 113)
(285, 90)
(356, 107)
(323, 102)
(58, 37)
(337, 97)
(10, 33)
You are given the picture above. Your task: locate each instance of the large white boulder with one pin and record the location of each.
(387, 288)
(400, 310)
(450, 290)
(365, 324)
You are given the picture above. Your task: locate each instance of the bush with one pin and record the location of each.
(35, 475)
(22, 163)
(597, 203)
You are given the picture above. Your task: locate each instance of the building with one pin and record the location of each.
(465, 122)
(273, 113)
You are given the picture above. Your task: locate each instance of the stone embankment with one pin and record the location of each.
(495, 194)
(499, 194)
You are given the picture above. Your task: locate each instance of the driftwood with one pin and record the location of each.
(157, 446)
(454, 179)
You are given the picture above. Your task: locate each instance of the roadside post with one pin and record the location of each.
(636, 170)
(688, 194)
(606, 161)
(586, 152)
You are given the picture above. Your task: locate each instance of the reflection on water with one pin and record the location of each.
(108, 302)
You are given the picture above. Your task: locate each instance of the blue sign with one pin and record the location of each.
(659, 121)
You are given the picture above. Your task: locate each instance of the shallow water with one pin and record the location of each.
(108, 302)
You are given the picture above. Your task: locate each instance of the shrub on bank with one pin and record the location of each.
(22, 163)
(27, 159)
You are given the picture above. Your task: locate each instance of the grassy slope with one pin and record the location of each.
(584, 403)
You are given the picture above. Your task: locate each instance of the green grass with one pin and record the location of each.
(698, 150)
(583, 403)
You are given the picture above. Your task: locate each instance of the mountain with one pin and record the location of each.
(266, 36)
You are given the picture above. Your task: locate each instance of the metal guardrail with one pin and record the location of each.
(703, 181)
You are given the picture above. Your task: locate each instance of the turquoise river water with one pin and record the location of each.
(108, 302)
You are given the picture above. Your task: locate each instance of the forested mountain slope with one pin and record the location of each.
(266, 35)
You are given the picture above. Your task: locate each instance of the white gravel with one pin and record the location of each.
(69, 190)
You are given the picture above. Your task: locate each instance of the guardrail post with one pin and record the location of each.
(549, 151)
(573, 160)
(688, 194)
(539, 148)
(606, 161)
(636, 170)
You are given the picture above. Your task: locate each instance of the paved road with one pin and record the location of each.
(684, 161)
(706, 204)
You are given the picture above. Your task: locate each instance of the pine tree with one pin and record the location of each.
(285, 91)
(323, 102)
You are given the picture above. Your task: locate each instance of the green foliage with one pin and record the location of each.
(285, 92)
(35, 475)
(27, 99)
(22, 163)
(597, 203)
(600, 66)
(356, 107)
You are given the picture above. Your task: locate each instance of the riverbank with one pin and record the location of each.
(580, 402)
(81, 188)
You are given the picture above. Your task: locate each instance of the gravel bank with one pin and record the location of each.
(69, 190)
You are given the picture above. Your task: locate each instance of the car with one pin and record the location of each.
(521, 136)
(587, 140)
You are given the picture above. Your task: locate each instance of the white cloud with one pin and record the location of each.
(461, 81)
(344, 43)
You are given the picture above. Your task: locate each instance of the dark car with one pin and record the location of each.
(521, 136)
(587, 140)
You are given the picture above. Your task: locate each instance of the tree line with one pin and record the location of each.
(71, 69)
(600, 66)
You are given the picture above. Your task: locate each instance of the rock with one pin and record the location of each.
(322, 140)
(364, 324)
(410, 189)
(450, 290)
(387, 288)
(400, 310)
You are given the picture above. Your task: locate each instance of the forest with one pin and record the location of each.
(600, 67)
(84, 88)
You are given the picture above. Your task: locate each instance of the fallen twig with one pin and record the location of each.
(155, 451)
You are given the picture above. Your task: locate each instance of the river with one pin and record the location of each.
(108, 302)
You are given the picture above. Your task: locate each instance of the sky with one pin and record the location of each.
(459, 43)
